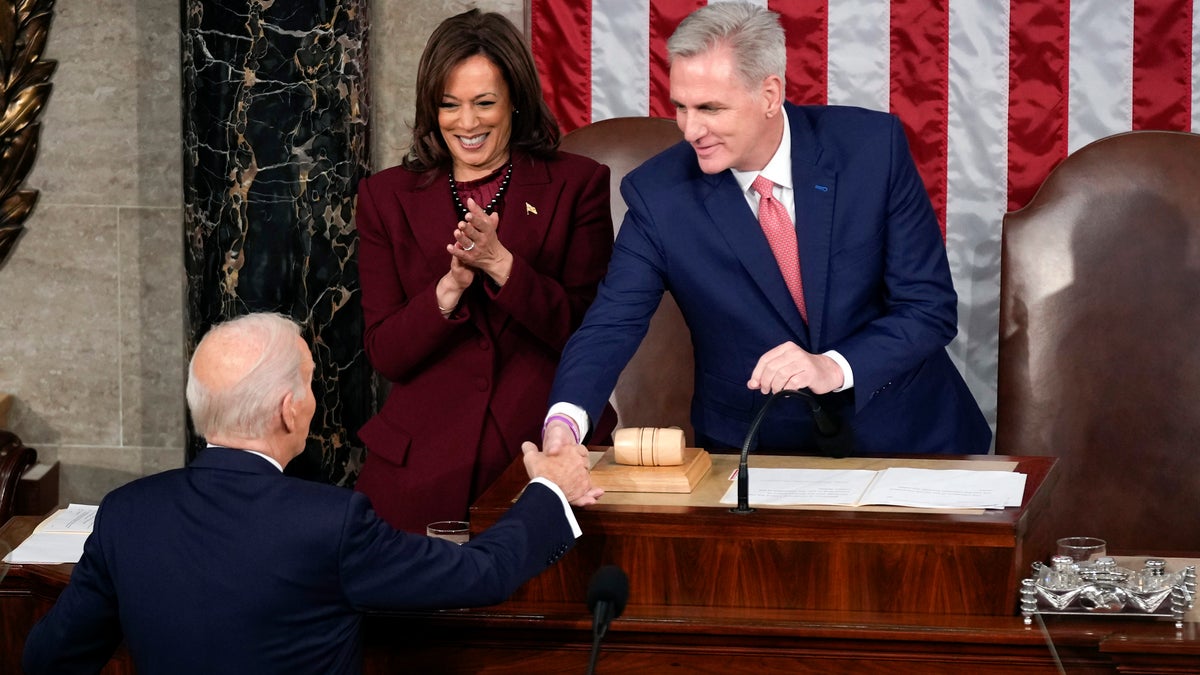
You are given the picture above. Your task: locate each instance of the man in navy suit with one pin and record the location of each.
(228, 566)
(870, 310)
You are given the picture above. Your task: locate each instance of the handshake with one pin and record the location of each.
(563, 460)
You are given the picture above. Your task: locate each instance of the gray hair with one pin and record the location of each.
(753, 33)
(247, 407)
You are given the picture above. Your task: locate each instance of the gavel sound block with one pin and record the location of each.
(649, 459)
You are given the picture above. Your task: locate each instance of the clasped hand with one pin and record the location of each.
(564, 467)
(476, 245)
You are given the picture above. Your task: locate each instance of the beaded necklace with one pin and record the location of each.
(491, 206)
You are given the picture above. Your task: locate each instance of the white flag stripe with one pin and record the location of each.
(977, 194)
(760, 3)
(860, 53)
(620, 59)
(1101, 71)
(1196, 66)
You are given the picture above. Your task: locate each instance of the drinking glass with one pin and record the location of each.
(457, 531)
(1082, 549)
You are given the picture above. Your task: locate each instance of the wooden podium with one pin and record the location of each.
(690, 550)
(659, 633)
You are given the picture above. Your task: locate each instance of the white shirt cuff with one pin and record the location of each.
(574, 412)
(847, 374)
(566, 505)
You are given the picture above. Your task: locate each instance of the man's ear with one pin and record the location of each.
(287, 412)
(772, 93)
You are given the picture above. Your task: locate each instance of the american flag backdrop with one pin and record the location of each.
(993, 94)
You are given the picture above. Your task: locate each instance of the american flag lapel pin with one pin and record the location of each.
(530, 209)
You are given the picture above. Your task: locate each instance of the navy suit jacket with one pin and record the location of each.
(876, 283)
(228, 566)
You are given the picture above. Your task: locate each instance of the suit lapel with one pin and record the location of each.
(814, 188)
(431, 218)
(529, 206)
(733, 218)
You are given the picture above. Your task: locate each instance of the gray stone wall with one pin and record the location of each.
(92, 298)
(91, 331)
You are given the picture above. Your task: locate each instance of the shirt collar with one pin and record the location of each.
(778, 170)
(270, 459)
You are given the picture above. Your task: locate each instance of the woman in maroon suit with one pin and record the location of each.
(478, 257)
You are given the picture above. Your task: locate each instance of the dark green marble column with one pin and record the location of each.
(275, 141)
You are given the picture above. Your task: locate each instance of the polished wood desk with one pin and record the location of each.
(522, 638)
(689, 550)
(546, 627)
(787, 591)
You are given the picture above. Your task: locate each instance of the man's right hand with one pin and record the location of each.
(559, 438)
(567, 470)
(790, 367)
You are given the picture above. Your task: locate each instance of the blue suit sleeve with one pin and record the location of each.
(617, 321)
(386, 569)
(83, 629)
(920, 315)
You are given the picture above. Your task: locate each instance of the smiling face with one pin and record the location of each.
(475, 116)
(728, 124)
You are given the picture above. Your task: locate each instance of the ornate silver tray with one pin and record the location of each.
(1101, 586)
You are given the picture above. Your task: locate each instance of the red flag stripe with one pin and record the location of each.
(565, 65)
(1037, 114)
(806, 24)
(1162, 65)
(920, 88)
(665, 16)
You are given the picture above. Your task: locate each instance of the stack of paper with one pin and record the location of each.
(58, 539)
(922, 488)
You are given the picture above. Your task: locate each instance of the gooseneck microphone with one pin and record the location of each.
(606, 596)
(832, 438)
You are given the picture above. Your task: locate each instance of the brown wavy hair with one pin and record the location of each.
(534, 129)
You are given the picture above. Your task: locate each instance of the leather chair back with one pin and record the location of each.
(655, 389)
(1099, 355)
(15, 460)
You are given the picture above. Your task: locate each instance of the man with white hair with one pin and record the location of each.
(229, 566)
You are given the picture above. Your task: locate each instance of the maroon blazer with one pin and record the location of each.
(497, 354)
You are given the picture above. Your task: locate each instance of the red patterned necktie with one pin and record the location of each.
(776, 224)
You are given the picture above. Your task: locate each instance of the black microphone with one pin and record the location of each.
(606, 596)
(833, 439)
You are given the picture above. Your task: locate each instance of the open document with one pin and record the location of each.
(921, 488)
(58, 539)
